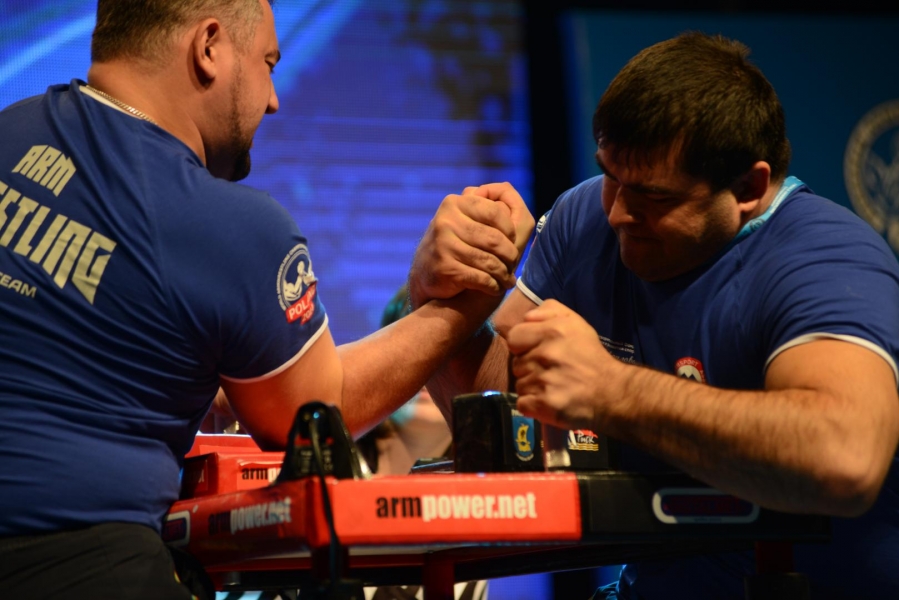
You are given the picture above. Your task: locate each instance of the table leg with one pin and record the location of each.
(438, 578)
(774, 578)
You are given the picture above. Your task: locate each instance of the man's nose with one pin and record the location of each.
(273, 104)
(623, 209)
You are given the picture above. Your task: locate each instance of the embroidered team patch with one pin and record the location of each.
(296, 285)
(689, 368)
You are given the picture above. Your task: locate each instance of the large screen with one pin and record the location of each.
(386, 107)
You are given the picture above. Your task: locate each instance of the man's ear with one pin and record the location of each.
(752, 186)
(205, 49)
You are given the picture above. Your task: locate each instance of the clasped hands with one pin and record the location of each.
(475, 242)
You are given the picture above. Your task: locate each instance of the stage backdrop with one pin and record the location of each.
(386, 107)
(836, 76)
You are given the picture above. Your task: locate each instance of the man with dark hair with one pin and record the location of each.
(712, 314)
(137, 279)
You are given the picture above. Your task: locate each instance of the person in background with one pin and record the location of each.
(417, 430)
(139, 278)
(710, 312)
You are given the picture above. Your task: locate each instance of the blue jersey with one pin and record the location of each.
(811, 270)
(131, 280)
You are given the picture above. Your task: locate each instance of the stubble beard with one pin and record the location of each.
(238, 139)
(241, 167)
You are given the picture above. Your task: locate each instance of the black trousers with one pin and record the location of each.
(116, 561)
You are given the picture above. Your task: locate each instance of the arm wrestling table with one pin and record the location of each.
(439, 528)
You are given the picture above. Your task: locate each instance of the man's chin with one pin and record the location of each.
(653, 271)
(242, 167)
(643, 267)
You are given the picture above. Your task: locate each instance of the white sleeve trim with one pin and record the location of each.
(289, 362)
(527, 292)
(811, 337)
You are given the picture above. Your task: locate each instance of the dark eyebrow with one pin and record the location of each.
(647, 190)
(602, 167)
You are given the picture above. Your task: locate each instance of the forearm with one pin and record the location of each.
(792, 450)
(385, 369)
(481, 363)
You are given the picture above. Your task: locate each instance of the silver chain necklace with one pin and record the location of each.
(126, 107)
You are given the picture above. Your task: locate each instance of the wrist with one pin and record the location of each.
(618, 385)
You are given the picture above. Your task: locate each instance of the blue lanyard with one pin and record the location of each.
(786, 188)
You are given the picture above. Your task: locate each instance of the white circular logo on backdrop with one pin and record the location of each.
(871, 170)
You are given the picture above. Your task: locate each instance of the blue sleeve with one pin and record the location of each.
(244, 284)
(558, 233)
(836, 278)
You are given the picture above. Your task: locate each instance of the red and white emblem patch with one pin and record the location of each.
(296, 285)
(689, 368)
(304, 308)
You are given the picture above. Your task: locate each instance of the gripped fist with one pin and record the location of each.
(475, 241)
(522, 220)
(560, 367)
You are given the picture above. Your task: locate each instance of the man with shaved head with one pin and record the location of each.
(138, 279)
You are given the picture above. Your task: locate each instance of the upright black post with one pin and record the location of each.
(775, 578)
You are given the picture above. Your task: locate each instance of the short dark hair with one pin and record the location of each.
(397, 307)
(700, 95)
(144, 29)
